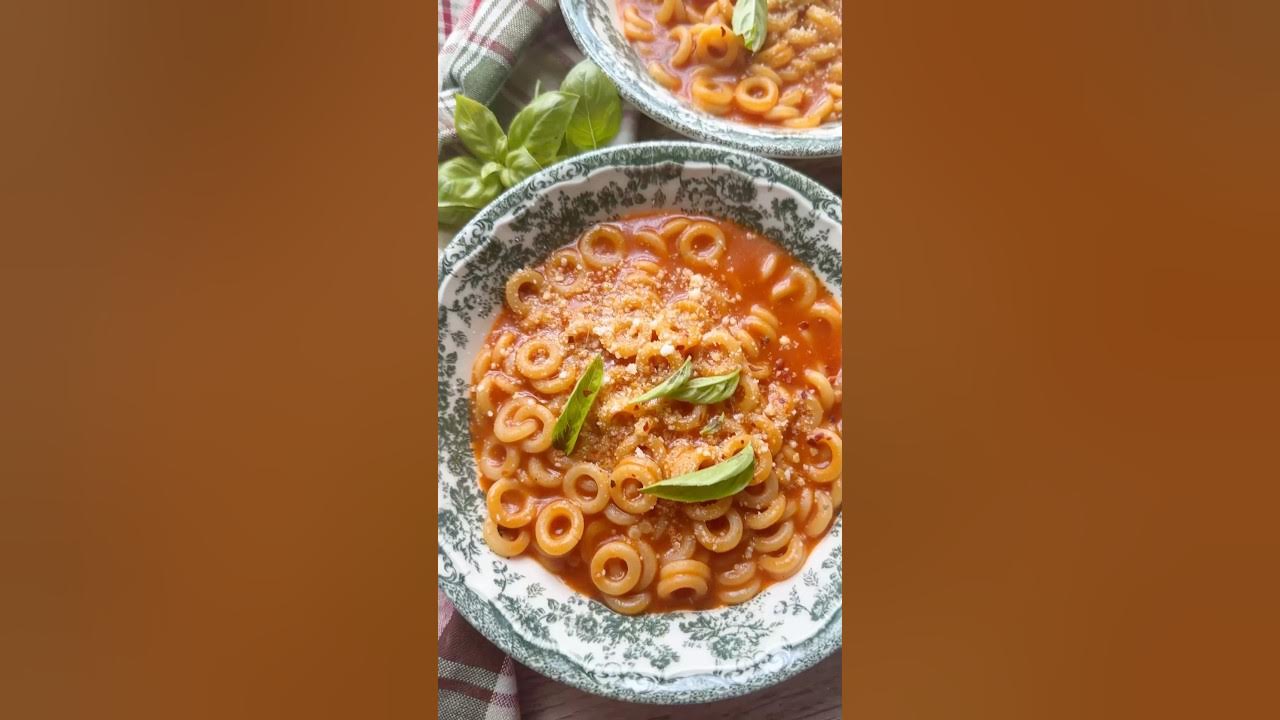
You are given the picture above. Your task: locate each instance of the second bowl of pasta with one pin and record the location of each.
(640, 440)
(680, 62)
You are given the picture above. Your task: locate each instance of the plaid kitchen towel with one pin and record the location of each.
(476, 680)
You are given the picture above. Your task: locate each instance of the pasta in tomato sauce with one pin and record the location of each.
(645, 294)
(795, 80)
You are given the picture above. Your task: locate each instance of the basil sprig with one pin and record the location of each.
(718, 481)
(751, 22)
(584, 114)
(707, 390)
(598, 115)
(565, 433)
(699, 391)
(670, 385)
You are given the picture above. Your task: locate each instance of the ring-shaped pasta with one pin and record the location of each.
(683, 417)
(562, 382)
(596, 534)
(756, 94)
(648, 564)
(492, 388)
(764, 459)
(821, 384)
(632, 474)
(769, 516)
(759, 424)
(566, 273)
(723, 540)
(740, 572)
(632, 604)
(538, 358)
(545, 424)
(669, 585)
(710, 94)
(654, 243)
(740, 594)
(820, 518)
(759, 497)
(671, 10)
(680, 550)
(547, 474)
(495, 499)
(618, 516)
(608, 583)
(518, 282)
(496, 459)
(602, 246)
(673, 227)
(664, 77)
(500, 543)
(781, 535)
(707, 511)
(798, 283)
(544, 528)
(828, 471)
(785, 564)
(701, 245)
(599, 480)
(829, 312)
(511, 427)
(746, 397)
(686, 567)
(717, 46)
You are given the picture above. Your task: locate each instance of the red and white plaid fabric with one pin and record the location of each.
(476, 680)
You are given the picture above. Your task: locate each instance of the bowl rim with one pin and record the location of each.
(480, 611)
(670, 112)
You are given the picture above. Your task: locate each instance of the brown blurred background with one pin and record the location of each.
(1062, 313)
(216, 283)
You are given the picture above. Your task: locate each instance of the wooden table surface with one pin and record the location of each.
(812, 695)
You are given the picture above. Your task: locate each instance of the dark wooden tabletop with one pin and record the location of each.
(812, 695)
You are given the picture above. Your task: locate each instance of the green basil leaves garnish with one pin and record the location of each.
(699, 391)
(751, 22)
(718, 481)
(598, 115)
(584, 114)
(479, 130)
(668, 386)
(707, 390)
(714, 426)
(565, 433)
(464, 189)
(539, 128)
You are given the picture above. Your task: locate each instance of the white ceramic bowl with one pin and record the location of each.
(597, 29)
(661, 658)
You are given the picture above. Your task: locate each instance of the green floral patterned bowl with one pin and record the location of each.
(597, 29)
(662, 658)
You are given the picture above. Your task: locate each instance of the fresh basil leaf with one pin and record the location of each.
(461, 198)
(539, 127)
(490, 168)
(751, 22)
(670, 385)
(565, 433)
(707, 390)
(479, 130)
(714, 426)
(520, 165)
(598, 114)
(459, 168)
(718, 481)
